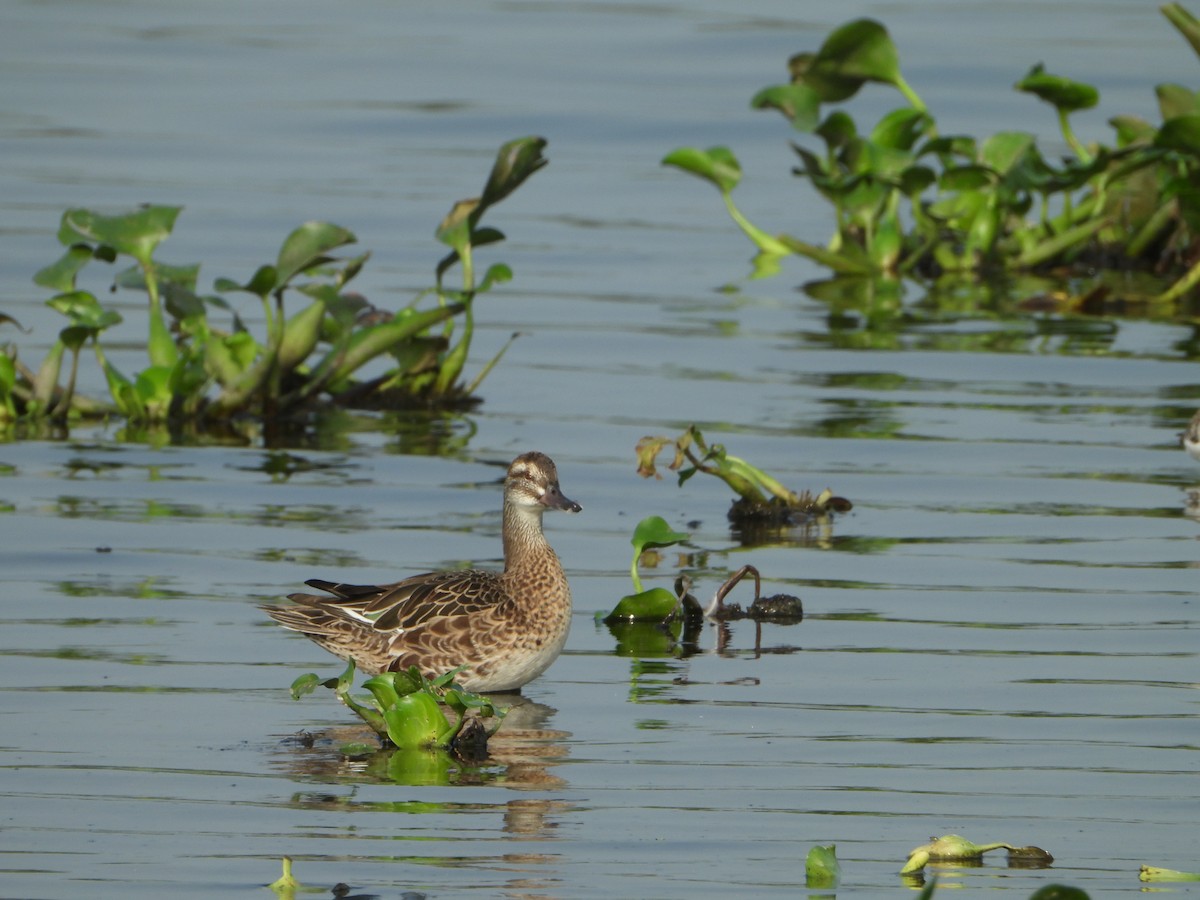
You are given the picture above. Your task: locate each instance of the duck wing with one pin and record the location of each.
(408, 604)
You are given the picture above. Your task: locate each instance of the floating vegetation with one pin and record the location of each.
(909, 201)
(956, 848)
(410, 712)
(761, 499)
(316, 338)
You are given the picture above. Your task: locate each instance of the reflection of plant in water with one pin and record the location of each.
(760, 497)
(405, 709)
(199, 368)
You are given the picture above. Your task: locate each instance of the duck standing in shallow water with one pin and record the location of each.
(506, 627)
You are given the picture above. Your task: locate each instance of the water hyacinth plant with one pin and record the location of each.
(656, 604)
(316, 337)
(405, 709)
(956, 848)
(760, 497)
(910, 201)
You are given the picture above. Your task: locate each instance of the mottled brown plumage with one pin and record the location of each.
(506, 627)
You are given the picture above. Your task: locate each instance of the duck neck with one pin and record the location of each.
(523, 537)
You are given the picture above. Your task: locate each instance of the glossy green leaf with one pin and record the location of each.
(1181, 134)
(900, 128)
(824, 81)
(74, 336)
(716, 165)
(498, 273)
(307, 247)
(861, 49)
(515, 162)
(821, 867)
(84, 310)
(1004, 150)
(415, 722)
(301, 334)
(60, 275)
(837, 130)
(383, 689)
(455, 229)
(1063, 93)
(305, 684)
(653, 531)
(153, 386)
(137, 233)
(261, 283)
(1130, 129)
(654, 605)
(799, 104)
(1177, 100)
(966, 178)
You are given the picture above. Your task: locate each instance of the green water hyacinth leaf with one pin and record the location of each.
(1181, 134)
(652, 531)
(261, 283)
(719, 167)
(799, 103)
(1003, 151)
(60, 275)
(1155, 873)
(655, 605)
(153, 386)
(1176, 100)
(308, 246)
(415, 722)
(515, 162)
(136, 234)
(301, 334)
(716, 165)
(821, 867)
(1060, 92)
(857, 52)
(386, 691)
(84, 311)
(305, 684)
(900, 129)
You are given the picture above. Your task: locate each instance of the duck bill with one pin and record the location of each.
(554, 499)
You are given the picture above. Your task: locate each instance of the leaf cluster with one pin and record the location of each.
(316, 336)
(405, 709)
(909, 201)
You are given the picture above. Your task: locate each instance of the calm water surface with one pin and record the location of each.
(1000, 640)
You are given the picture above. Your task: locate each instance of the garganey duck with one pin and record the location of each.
(506, 627)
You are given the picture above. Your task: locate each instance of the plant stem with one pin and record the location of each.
(1189, 281)
(761, 239)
